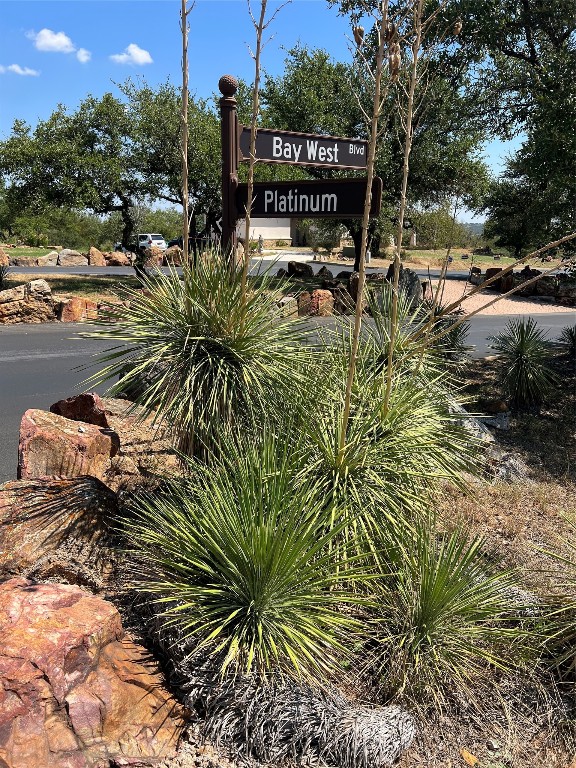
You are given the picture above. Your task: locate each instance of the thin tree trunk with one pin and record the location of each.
(376, 109)
(184, 11)
(402, 210)
(253, 131)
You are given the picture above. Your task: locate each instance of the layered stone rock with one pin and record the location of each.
(29, 303)
(53, 446)
(74, 691)
(4, 260)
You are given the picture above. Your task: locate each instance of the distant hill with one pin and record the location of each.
(477, 227)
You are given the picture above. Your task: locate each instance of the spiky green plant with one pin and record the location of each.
(526, 375)
(444, 617)
(239, 560)
(4, 271)
(568, 340)
(196, 356)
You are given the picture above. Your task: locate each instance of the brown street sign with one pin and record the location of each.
(304, 149)
(330, 198)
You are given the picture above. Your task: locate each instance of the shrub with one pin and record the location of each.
(196, 355)
(524, 351)
(444, 618)
(568, 340)
(239, 558)
(4, 271)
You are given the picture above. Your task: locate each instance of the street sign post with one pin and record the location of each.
(326, 198)
(304, 149)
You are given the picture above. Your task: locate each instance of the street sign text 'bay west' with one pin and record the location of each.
(330, 198)
(304, 149)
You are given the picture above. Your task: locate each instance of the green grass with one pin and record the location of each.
(97, 288)
(26, 252)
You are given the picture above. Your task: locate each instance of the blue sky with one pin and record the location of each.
(59, 51)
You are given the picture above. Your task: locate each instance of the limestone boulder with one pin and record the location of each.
(300, 269)
(288, 306)
(74, 691)
(77, 310)
(4, 260)
(48, 260)
(53, 446)
(70, 258)
(117, 259)
(87, 407)
(29, 303)
(58, 529)
(96, 258)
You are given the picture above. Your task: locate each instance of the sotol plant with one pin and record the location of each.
(527, 377)
(196, 355)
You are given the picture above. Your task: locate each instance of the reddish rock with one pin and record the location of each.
(304, 303)
(117, 259)
(58, 528)
(321, 303)
(96, 258)
(87, 407)
(77, 309)
(4, 260)
(53, 446)
(74, 693)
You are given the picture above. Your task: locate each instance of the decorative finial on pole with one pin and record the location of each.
(228, 85)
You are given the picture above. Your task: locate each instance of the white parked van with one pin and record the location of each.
(149, 241)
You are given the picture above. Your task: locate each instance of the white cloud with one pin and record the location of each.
(83, 55)
(56, 42)
(18, 70)
(133, 54)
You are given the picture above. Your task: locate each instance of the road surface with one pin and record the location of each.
(39, 364)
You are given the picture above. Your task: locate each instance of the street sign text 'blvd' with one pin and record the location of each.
(304, 149)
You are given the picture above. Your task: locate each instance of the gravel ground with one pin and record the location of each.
(512, 305)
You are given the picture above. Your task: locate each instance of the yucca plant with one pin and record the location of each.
(239, 562)
(560, 636)
(444, 618)
(567, 341)
(198, 357)
(4, 271)
(526, 375)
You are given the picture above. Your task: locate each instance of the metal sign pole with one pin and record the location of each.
(228, 85)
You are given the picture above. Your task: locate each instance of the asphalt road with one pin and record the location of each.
(39, 364)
